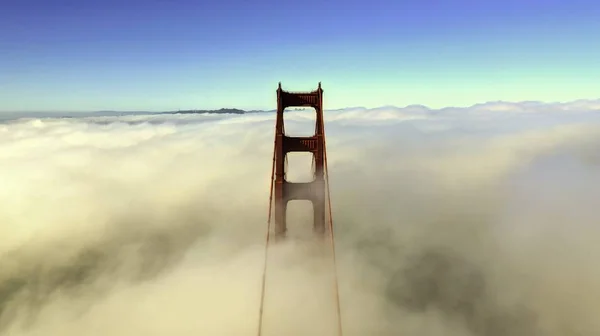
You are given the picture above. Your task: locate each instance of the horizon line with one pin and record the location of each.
(330, 109)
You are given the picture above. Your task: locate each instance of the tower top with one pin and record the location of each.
(319, 89)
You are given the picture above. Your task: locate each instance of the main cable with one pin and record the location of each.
(267, 239)
(332, 238)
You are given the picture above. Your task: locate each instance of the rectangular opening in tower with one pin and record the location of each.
(299, 121)
(300, 219)
(299, 167)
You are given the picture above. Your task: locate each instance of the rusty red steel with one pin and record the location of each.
(286, 191)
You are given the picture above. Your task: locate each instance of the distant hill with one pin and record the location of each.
(18, 115)
(221, 111)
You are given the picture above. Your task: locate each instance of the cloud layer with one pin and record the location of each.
(460, 221)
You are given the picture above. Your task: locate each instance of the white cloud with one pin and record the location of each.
(154, 224)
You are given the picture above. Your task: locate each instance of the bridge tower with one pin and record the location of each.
(286, 191)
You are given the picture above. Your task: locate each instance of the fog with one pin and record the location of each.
(475, 221)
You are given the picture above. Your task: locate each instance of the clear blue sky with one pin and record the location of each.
(169, 54)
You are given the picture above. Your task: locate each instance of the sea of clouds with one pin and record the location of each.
(479, 221)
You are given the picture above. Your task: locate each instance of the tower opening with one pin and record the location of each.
(300, 220)
(300, 121)
(299, 167)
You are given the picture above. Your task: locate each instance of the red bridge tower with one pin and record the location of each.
(286, 191)
(315, 191)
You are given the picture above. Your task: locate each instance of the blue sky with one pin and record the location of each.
(164, 55)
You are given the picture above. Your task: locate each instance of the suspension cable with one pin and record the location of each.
(332, 238)
(267, 238)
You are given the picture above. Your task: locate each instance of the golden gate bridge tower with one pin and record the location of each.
(315, 191)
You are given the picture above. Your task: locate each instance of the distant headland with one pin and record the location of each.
(109, 113)
(220, 111)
